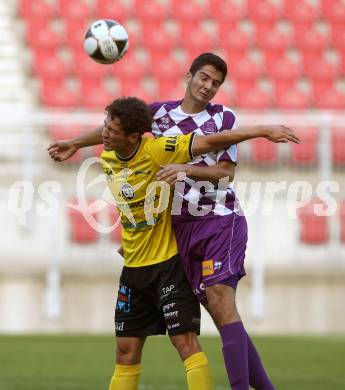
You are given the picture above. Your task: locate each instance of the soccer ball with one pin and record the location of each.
(106, 41)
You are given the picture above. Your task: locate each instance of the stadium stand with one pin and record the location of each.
(273, 30)
(81, 232)
(313, 228)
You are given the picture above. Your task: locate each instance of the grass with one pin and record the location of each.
(86, 363)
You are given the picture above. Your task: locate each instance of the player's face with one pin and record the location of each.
(114, 138)
(204, 84)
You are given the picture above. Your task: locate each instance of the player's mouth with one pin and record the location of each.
(204, 95)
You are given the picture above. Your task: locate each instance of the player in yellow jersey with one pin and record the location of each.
(154, 295)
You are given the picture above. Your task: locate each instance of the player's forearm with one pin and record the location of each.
(226, 138)
(212, 173)
(91, 138)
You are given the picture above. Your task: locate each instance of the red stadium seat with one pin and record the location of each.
(313, 228)
(305, 153)
(342, 221)
(245, 74)
(264, 152)
(226, 11)
(198, 43)
(254, 99)
(41, 36)
(50, 65)
(334, 11)
(58, 95)
(75, 31)
(81, 232)
(293, 99)
(274, 45)
(338, 146)
(131, 68)
(263, 12)
(188, 15)
(151, 12)
(37, 10)
(301, 12)
(236, 40)
(176, 92)
(284, 74)
(311, 41)
(331, 99)
(108, 9)
(86, 67)
(76, 9)
(95, 97)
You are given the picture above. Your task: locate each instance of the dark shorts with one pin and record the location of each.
(155, 299)
(212, 250)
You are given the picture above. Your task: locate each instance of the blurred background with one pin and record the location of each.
(286, 62)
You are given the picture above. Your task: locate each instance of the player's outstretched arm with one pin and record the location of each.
(63, 150)
(273, 133)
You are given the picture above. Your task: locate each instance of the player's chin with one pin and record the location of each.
(107, 146)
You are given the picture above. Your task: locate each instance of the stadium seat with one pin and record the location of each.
(334, 11)
(236, 40)
(188, 16)
(176, 92)
(74, 32)
(274, 44)
(331, 99)
(342, 221)
(284, 74)
(263, 152)
(50, 65)
(81, 232)
(41, 36)
(151, 13)
(106, 9)
(311, 41)
(37, 10)
(129, 69)
(245, 74)
(263, 12)
(59, 96)
(338, 146)
(85, 67)
(225, 12)
(94, 97)
(254, 99)
(75, 10)
(301, 12)
(305, 153)
(313, 228)
(292, 99)
(199, 43)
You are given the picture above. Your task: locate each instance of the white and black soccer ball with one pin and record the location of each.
(106, 41)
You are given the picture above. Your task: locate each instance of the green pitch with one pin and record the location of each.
(86, 363)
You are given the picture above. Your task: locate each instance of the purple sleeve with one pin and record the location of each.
(154, 107)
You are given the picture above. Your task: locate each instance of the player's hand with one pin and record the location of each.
(280, 133)
(172, 173)
(62, 150)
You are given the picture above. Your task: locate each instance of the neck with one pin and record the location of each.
(191, 106)
(128, 151)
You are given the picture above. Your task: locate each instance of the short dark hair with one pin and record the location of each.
(133, 114)
(209, 59)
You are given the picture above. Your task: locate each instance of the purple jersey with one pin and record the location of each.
(192, 199)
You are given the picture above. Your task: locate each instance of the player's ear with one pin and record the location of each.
(188, 77)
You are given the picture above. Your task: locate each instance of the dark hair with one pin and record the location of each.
(133, 114)
(209, 59)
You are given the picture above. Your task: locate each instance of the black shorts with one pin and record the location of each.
(155, 299)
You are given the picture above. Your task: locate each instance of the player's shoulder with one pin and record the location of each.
(157, 108)
(227, 114)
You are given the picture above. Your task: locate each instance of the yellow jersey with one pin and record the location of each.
(144, 204)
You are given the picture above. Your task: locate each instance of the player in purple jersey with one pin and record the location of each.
(210, 228)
